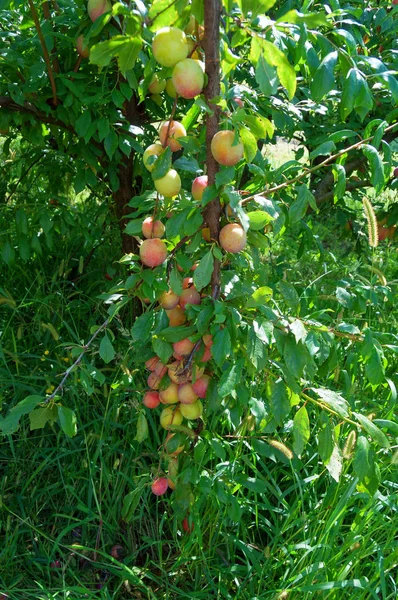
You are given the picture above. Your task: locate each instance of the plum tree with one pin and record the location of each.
(169, 185)
(225, 150)
(233, 238)
(188, 78)
(169, 46)
(96, 8)
(153, 252)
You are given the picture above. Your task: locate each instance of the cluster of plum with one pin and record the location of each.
(186, 381)
(182, 384)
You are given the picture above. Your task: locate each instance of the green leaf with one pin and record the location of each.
(261, 296)
(374, 369)
(175, 334)
(259, 126)
(8, 253)
(280, 402)
(340, 180)
(41, 416)
(333, 399)
(10, 423)
(111, 143)
(376, 434)
(224, 176)
(249, 144)
(134, 227)
(364, 465)
(83, 123)
(162, 349)
(324, 80)
(203, 272)
(230, 379)
(255, 7)
(289, 294)
(256, 349)
(295, 356)
(106, 350)
(266, 77)
(324, 149)
(128, 54)
(258, 219)
(301, 430)
(132, 499)
(376, 167)
(335, 463)
(286, 73)
(162, 164)
(67, 420)
(325, 439)
(311, 19)
(176, 281)
(102, 53)
(142, 428)
(143, 326)
(221, 347)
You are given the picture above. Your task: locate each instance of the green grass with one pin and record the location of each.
(264, 527)
(62, 500)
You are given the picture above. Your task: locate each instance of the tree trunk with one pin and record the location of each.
(212, 11)
(122, 197)
(127, 189)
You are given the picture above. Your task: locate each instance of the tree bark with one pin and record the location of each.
(128, 188)
(212, 213)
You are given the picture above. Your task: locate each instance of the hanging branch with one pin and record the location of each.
(324, 163)
(212, 213)
(67, 373)
(45, 51)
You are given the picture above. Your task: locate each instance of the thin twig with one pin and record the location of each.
(23, 176)
(45, 51)
(173, 110)
(77, 361)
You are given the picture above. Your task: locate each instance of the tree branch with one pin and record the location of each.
(45, 51)
(307, 172)
(47, 16)
(77, 361)
(212, 212)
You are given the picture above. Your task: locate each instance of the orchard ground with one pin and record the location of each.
(62, 499)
